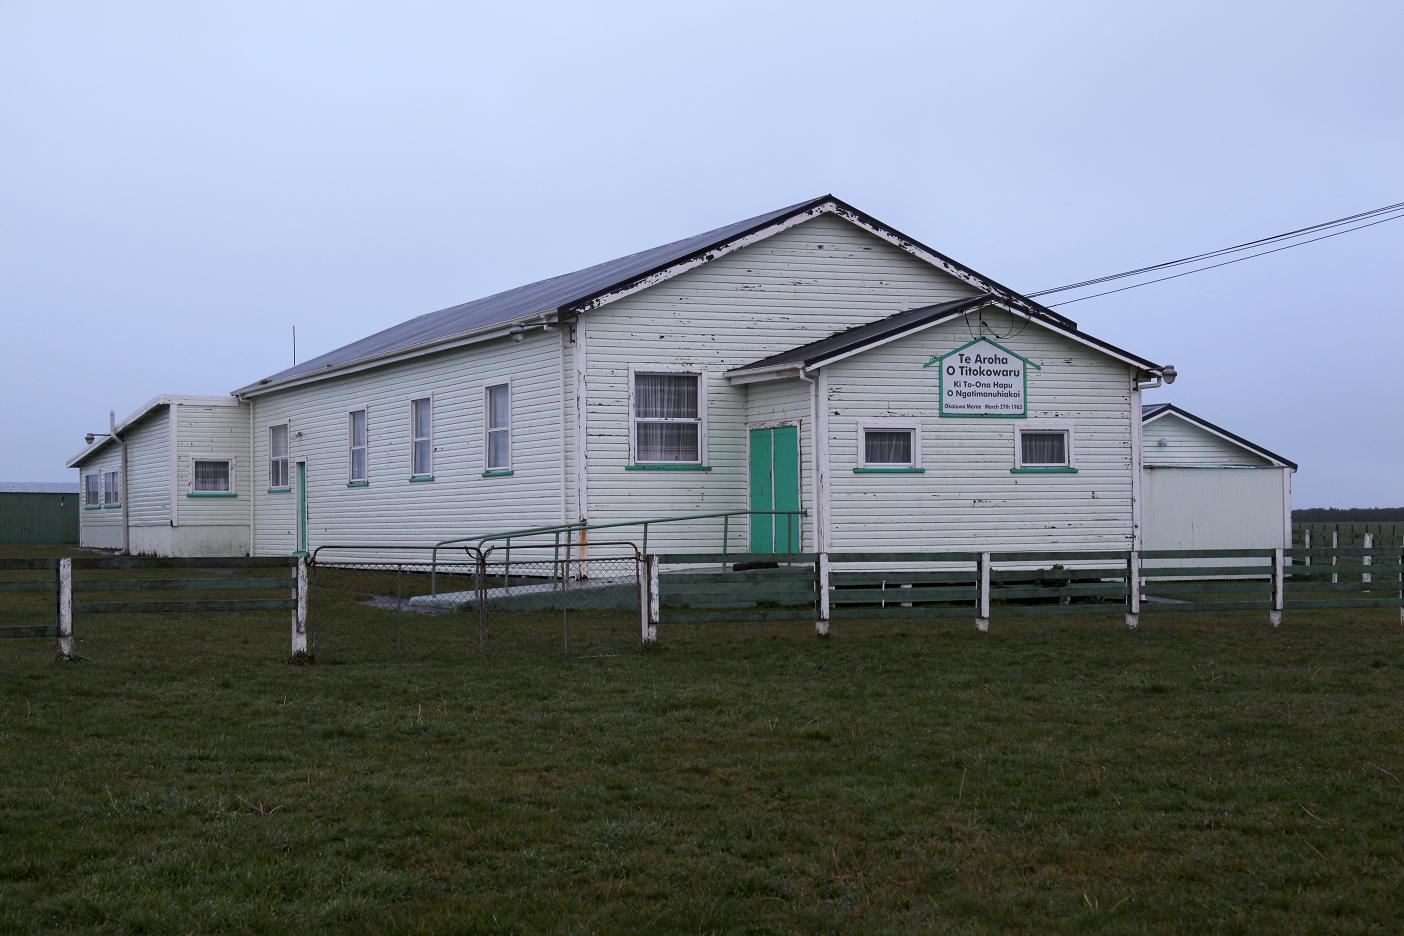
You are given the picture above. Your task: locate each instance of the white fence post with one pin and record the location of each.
(1278, 585)
(65, 608)
(299, 614)
(1133, 589)
(1306, 545)
(650, 625)
(1366, 577)
(982, 614)
(1335, 556)
(821, 626)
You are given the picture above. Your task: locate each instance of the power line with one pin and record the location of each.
(1236, 248)
(1213, 266)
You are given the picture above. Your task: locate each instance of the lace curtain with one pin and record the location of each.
(211, 475)
(1044, 448)
(887, 447)
(667, 426)
(499, 432)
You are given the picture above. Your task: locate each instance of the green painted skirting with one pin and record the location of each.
(498, 473)
(421, 479)
(211, 494)
(279, 490)
(1043, 471)
(667, 467)
(357, 484)
(889, 471)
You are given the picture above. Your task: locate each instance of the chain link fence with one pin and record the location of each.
(408, 605)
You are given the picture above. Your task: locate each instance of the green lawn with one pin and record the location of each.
(1202, 773)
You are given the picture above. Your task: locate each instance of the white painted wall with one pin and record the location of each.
(1216, 508)
(968, 498)
(459, 501)
(810, 281)
(99, 528)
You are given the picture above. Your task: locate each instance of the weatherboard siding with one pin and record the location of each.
(99, 528)
(967, 498)
(1188, 445)
(819, 277)
(391, 509)
(776, 403)
(219, 431)
(149, 471)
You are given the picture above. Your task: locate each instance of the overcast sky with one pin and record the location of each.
(180, 183)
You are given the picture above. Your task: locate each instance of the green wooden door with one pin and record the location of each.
(775, 485)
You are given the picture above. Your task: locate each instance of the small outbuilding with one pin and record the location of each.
(38, 513)
(1204, 487)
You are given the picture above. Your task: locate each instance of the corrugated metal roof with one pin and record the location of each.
(38, 487)
(531, 299)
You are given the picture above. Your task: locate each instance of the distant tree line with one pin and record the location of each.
(1348, 515)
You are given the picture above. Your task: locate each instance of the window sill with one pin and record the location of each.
(421, 479)
(279, 490)
(355, 484)
(498, 473)
(1048, 470)
(111, 506)
(92, 506)
(211, 494)
(667, 467)
(889, 471)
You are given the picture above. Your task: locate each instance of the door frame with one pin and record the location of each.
(798, 423)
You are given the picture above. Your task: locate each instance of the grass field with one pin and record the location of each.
(1201, 773)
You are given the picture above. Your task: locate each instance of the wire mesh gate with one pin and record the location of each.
(374, 604)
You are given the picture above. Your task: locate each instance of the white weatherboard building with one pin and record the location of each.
(810, 359)
(1206, 488)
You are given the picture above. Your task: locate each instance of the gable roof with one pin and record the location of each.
(586, 289)
(165, 399)
(852, 340)
(1152, 411)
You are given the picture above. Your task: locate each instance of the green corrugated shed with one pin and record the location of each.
(38, 513)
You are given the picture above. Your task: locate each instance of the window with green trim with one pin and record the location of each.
(92, 490)
(1044, 448)
(669, 418)
(278, 456)
(211, 475)
(497, 441)
(888, 447)
(111, 489)
(356, 446)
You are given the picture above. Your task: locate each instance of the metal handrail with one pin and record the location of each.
(581, 525)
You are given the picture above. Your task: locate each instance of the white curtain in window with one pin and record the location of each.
(211, 475)
(90, 490)
(887, 447)
(358, 445)
(665, 396)
(423, 429)
(1044, 448)
(499, 432)
(278, 456)
(667, 442)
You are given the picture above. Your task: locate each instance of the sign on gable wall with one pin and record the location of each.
(982, 378)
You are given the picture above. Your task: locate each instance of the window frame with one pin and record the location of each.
(230, 460)
(1068, 466)
(96, 478)
(429, 474)
(490, 469)
(672, 370)
(351, 447)
(890, 425)
(116, 501)
(286, 458)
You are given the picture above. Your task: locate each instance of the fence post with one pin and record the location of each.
(1278, 585)
(65, 608)
(821, 626)
(299, 614)
(1335, 555)
(982, 614)
(651, 610)
(1306, 544)
(1133, 589)
(1369, 543)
